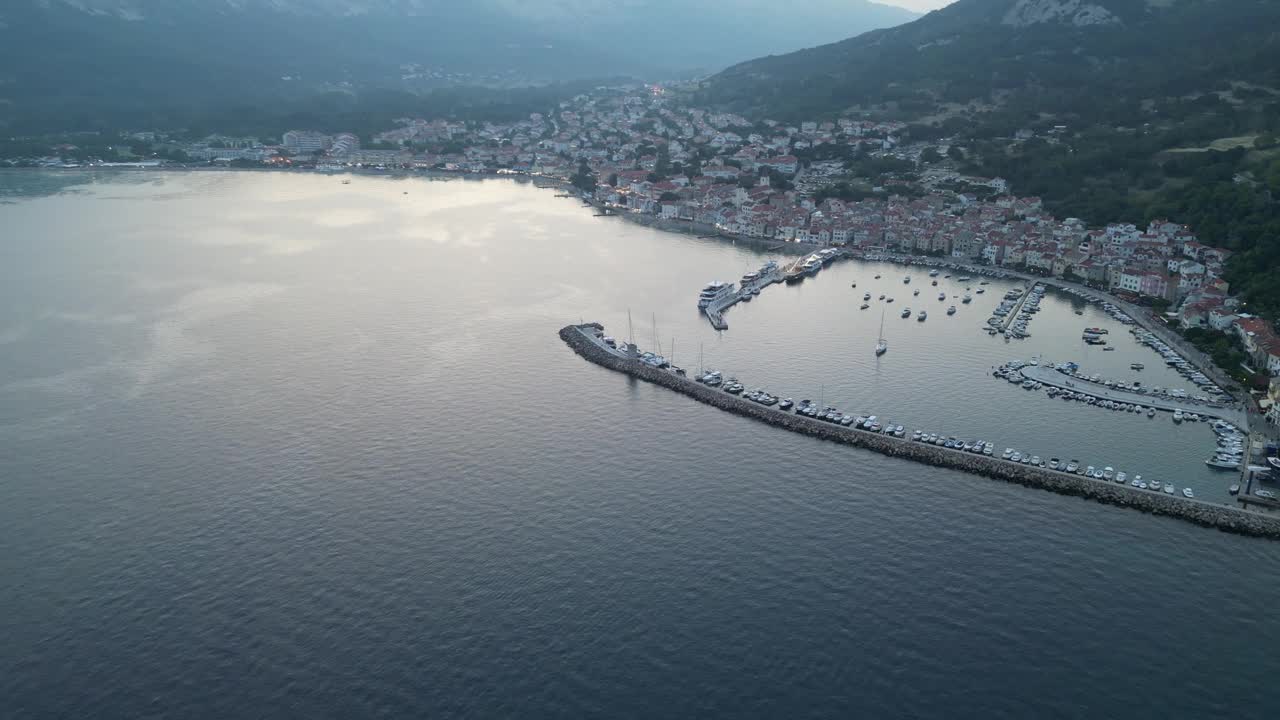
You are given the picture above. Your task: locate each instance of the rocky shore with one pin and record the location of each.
(1227, 519)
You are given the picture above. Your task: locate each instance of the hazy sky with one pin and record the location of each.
(918, 5)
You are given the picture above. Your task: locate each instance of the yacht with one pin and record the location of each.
(951, 310)
(1223, 464)
(1168, 488)
(714, 292)
(922, 316)
(785, 404)
(1054, 463)
(1177, 416)
(1008, 453)
(1108, 472)
(1186, 492)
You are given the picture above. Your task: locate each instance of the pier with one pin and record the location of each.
(715, 311)
(1049, 376)
(586, 340)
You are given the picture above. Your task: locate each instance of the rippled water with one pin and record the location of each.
(275, 446)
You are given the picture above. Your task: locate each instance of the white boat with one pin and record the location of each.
(1274, 462)
(951, 310)
(1186, 492)
(906, 312)
(882, 346)
(1223, 464)
(714, 292)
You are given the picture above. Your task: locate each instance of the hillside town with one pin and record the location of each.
(635, 152)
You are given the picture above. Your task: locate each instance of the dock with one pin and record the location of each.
(1049, 376)
(715, 311)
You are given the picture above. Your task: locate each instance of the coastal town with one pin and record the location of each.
(636, 152)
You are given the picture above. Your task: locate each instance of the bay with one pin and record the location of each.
(272, 445)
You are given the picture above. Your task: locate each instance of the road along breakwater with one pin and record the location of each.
(586, 341)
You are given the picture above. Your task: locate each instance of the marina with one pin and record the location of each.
(860, 284)
(870, 432)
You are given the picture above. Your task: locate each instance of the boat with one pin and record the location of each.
(963, 278)
(1108, 349)
(853, 285)
(882, 347)
(951, 310)
(935, 283)
(1223, 464)
(867, 296)
(942, 296)
(864, 306)
(1274, 462)
(906, 312)
(881, 297)
(933, 273)
(1186, 492)
(1234, 489)
(922, 316)
(917, 292)
(877, 277)
(888, 300)
(981, 290)
(1168, 488)
(1177, 416)
(785, 404)
(714, 292)
(966, 299)
(1136, 366)
(906, 280)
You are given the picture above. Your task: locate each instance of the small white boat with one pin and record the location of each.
(1186, 492)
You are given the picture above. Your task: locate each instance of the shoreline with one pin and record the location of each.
(580, 339)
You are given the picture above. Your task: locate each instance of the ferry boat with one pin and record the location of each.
(951, 310)
(714, 292)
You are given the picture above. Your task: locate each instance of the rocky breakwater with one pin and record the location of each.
(581, 338)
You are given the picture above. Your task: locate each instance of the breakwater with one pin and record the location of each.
(582, 340)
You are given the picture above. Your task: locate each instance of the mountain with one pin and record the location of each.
(1064, 52)
(1134, 109)
(83, 61)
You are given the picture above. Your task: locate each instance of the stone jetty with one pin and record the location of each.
(584, 340)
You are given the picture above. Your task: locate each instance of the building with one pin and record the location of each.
(306, 141)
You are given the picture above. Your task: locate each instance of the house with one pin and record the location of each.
(1260, 341)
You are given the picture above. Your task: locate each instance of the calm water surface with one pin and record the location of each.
(274, 446)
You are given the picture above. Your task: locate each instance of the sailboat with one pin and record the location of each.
(882, 346)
